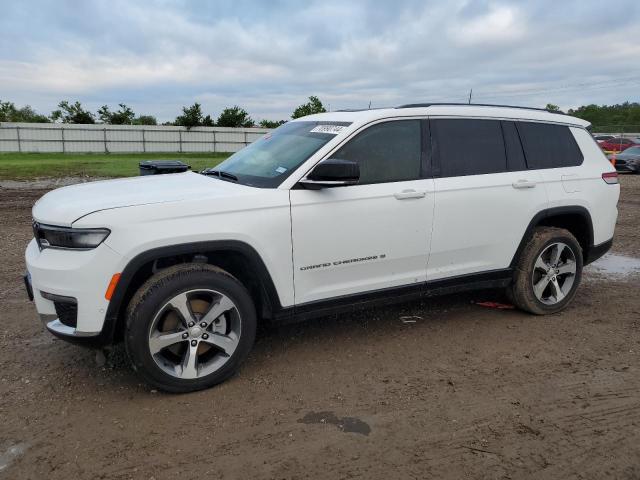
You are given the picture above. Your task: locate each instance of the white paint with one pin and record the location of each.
(330, 242)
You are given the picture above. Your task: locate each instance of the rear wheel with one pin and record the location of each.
(548, 271)
(189, 327)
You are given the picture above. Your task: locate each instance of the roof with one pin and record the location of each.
(465, 110)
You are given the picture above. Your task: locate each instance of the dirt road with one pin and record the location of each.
(463, 392)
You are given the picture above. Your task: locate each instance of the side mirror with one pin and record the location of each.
(332, 172)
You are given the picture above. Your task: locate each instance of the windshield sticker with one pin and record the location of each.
(281, 170)
(330, 129)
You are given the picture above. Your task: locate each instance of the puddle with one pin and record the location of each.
(612, 265)
(346, 424)
(11, 454)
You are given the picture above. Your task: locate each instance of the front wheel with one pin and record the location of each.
(548, 272)
(189, 327)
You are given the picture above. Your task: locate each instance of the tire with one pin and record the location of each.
(189, 327)
(541, 286)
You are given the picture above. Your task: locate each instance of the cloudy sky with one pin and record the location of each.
(269, 56)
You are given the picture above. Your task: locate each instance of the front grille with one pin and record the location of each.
(67, 313)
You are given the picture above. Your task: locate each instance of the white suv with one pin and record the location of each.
(325, 213)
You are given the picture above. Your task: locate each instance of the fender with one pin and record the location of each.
(551, 212)
(117, 304)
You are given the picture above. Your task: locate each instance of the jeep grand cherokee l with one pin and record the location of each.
(326, 212)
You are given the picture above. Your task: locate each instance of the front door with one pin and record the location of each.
(371, 236)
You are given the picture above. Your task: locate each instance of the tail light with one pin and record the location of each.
(611, 178)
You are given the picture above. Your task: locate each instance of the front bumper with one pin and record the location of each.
(81, 275)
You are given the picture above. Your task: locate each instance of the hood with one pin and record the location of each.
(66, 205)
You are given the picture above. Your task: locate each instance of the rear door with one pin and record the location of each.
(371, 236)
(485, 196)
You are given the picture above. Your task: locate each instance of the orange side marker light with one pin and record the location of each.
(112, 286)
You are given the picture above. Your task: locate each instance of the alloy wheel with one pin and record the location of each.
(195, 333)
(554, 273)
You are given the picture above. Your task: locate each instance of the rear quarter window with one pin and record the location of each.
(549, 146)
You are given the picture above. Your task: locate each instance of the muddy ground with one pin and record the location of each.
(464, 392)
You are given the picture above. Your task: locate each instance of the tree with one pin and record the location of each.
(620, 118)
(208, 121)
(553, 108)
(314, 105)
(235, 117)
(124, 116)
(272, 123)
(10, 113)
(192, 117)
(72, 113)
(145, 120)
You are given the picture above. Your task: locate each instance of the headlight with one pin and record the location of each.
(49, 236)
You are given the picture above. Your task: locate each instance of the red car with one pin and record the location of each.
(617, 144)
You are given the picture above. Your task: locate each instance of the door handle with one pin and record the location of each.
(406, 194)
(523, 184)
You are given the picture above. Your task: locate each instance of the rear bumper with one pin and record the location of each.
(597, 251)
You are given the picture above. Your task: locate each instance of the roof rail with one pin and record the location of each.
(359, 109)
(416, 105)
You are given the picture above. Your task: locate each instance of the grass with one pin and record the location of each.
(25, 166)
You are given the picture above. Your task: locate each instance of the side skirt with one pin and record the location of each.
(388, 296)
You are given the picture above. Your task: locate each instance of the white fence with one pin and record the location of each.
(70, 138)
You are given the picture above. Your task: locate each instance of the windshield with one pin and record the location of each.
(632, 151)
(268, 161)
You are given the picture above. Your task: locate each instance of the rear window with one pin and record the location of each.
(468, 146)
(549, 146)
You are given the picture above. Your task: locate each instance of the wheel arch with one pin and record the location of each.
(238, 258)
(575, 218)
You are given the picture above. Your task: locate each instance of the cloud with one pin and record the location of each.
(269, 56)
(500, 25)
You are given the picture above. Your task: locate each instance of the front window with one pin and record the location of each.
(268, 161)
(386, 152)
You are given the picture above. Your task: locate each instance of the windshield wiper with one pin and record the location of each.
(221, 175)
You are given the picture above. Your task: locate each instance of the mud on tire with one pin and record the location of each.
(189, 327)
(545, 279)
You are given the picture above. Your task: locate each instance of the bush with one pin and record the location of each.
(124, 116)
(272, 123)
(314, 105)
(145, 120)
(9, 113)
(192, 117)
(72, 113)
(235, 117)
